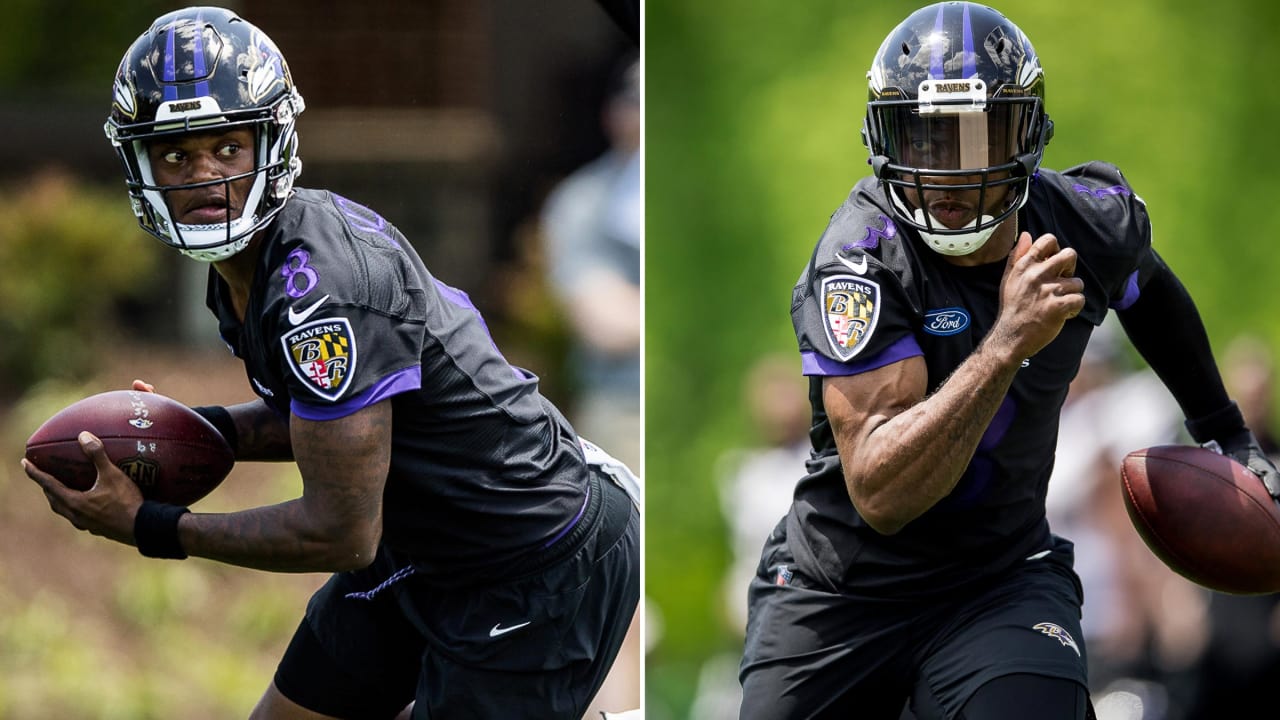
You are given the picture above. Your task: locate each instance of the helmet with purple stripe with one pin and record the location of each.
(204, 69)
(956, 105)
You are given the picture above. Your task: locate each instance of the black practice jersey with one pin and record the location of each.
(343, 314)
(873, 294)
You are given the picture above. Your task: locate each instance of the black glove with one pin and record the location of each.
(1243, 447)
(1224, 431)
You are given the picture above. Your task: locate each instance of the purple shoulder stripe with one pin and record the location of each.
(812, 363)
(398, 382)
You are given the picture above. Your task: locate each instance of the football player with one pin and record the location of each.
(941, 319)
(485, 558)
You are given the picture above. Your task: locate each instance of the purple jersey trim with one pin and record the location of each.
(396, 577)
(572, 523)
(402, 381)
(811, 363)
(462, 300)
(1131, 293)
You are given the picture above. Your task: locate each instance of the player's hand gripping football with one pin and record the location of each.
(1243, 447)
(1038, 294)
(107, 509)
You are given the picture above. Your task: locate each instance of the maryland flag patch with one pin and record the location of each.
(322, 354)
(850, 308)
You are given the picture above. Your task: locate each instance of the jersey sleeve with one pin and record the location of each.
(850, 308)
(350, 327)
(1118, 249)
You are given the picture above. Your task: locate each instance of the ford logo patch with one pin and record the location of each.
(947, 321)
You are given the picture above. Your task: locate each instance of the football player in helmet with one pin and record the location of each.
(941, 318)
(234, 81)
(485, 558)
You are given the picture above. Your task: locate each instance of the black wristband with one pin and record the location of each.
(1217, 425)
(220, 418)
(155, 530)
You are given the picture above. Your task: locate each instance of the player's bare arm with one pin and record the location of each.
(902, 452)
(262, 433)
(335, 525)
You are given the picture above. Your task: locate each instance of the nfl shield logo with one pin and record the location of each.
(784, 575)
(141, 471)
(322, 354)
(851, 306)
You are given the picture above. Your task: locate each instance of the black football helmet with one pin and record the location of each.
(956, 102)
(200, 69)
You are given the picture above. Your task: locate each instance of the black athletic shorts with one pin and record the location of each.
(815, 653)
(537, 645)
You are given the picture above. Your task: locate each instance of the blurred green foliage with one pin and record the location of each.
(73, 256)
(753, 112)
(91, 630)
(66, 47)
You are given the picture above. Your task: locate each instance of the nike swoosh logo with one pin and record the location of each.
(860, 267)
(496, 631)
(296, 317)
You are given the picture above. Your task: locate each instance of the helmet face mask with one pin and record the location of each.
(206, 70)
(955, 122)
(163, 203)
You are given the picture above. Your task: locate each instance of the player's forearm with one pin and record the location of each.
(263, 433)
(915, 458)
(335, 525)
(278, 538)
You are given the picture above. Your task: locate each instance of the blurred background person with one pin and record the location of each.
(755, 483)
(591, 227)
(1143, 624)
(1240, 667)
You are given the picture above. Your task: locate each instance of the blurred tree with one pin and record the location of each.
(74, 260)
(65, 48)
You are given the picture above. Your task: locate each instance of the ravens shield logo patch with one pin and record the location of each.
(322, 355)
(851, 306)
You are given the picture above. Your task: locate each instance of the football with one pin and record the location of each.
(1206, 516)
(172, 453)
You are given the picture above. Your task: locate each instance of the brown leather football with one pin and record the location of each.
(172, 453)
(1208, 517)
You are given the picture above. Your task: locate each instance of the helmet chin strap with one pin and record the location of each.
(209, 252)
(953, 244)
(957, 244)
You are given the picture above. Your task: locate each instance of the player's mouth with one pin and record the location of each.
(951, 213)
(207, 210)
